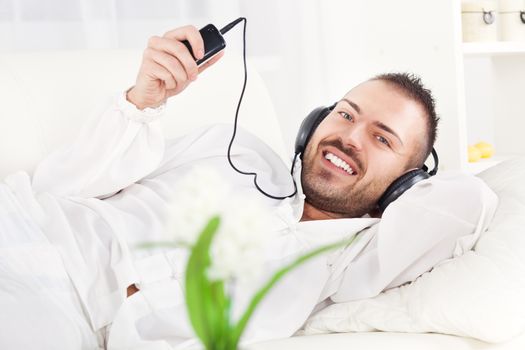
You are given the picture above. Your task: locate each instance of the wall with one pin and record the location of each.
(309, 52)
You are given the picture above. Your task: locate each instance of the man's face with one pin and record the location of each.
(360, 148)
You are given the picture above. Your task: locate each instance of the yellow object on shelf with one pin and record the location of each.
(474, 154)
(486, 149)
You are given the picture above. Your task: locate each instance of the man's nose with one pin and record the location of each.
(354, 136)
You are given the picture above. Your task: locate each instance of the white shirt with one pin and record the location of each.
(93, 201)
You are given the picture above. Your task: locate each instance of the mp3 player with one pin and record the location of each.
(213, 43)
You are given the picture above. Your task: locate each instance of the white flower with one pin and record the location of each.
(238, 244)
(199, 196)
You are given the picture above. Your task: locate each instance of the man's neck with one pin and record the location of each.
(312, 213)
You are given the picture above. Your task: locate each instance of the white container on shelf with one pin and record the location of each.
(479, 20)
(512, 20)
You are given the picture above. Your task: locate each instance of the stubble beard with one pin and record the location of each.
(354, 200)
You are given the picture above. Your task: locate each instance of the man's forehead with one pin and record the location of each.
(370, 87)
(376, 96)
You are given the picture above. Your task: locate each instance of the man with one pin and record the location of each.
(67, 233)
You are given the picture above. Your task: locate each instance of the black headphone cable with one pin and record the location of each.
(224, 30)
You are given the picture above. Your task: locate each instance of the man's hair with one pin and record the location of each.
(411, 85)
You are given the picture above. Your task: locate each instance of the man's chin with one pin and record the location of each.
(326, 200)
(339, 200)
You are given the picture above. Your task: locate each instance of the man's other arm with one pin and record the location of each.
(436, 220)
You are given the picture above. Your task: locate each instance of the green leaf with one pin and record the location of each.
(200, 292)
(261, 293)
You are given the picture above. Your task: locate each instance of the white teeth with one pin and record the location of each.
(339, 162)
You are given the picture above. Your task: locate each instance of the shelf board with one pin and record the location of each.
(494, 48)
(483, 164)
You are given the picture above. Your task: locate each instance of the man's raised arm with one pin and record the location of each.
(124, 142)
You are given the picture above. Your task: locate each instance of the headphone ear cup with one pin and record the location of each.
(308, 126)
(399, 186)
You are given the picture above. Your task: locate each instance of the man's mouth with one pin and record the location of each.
(338, 163)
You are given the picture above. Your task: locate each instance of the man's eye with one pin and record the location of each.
(383, 140)
(345, 115)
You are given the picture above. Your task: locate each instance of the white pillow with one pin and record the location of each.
(480, 294)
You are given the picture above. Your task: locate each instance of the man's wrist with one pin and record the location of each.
(134, 112)
(131, 97)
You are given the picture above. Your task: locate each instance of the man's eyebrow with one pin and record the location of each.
(387, 129)
(353, 104)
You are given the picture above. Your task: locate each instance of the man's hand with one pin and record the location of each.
(167, 67)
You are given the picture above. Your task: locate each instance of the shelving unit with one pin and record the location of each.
(494, 78)
(493, 48)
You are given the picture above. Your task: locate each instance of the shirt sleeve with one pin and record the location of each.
(116, 148)
(436, 220)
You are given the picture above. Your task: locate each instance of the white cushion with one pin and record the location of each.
(48, 95)
(480, 294)
(385, 341)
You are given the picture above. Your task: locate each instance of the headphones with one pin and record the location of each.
(395, 190)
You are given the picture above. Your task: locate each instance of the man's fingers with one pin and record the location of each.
(193, 36)
(170, 63)
(211, 61)
(156, 71)
(179, 51)
(177, 90)
(186, 59)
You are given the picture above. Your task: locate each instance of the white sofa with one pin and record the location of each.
(46, 96)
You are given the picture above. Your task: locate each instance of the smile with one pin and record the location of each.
(339, 163)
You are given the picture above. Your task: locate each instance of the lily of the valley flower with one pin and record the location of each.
(236, 250)
(238, 246)
(200, 195)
